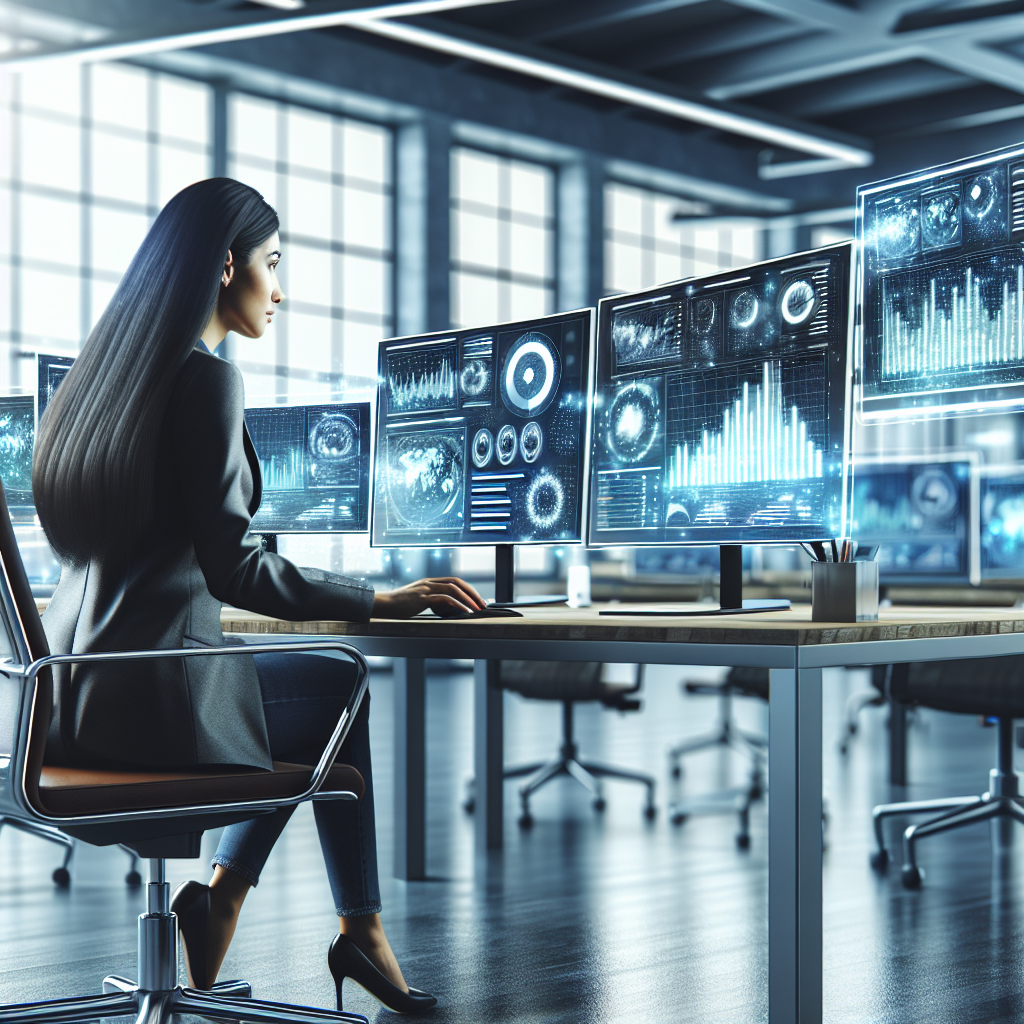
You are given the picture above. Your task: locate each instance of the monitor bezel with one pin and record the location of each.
(972, 458)
(370, 419)
(40, 356)
(588, 312)
(843, 249)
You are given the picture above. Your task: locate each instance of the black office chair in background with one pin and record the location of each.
(569, 683)
(992, 687)
(739, 682)
(156, 814)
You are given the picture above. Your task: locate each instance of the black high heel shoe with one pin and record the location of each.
(191, 902)
(347, 960)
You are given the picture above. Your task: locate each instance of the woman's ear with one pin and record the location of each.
(229, 270)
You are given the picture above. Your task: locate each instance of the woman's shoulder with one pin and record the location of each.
(205, 377)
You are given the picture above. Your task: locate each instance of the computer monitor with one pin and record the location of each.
(922, 513)
(721, 409)
(17, 437)
(51, 371)
(943, 289)
(315, 462)
(1002, 522)
(481, 437)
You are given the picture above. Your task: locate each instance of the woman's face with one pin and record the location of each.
(248, 300)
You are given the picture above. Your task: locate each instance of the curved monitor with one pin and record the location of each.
(315, 463)
(721, 407)
(481, 435)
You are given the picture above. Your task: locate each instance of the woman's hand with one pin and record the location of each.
(447, 595)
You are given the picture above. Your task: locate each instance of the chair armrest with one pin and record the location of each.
(29, 675)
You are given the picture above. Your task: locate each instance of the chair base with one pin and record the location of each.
(229, 1000)
(586, 773)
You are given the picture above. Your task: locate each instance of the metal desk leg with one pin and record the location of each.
(794, 847)
(897, 727)
(410, 768)
(488, 754)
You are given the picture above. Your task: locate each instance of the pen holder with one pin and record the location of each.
(844, 591)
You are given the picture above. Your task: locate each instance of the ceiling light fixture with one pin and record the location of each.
(831, 151)
(124, 49)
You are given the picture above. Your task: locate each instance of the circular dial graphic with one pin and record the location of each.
(506, 444)
(531, 441)
(483, 448)
(941, 221)
(335, 438)
(896, 229)
(632, 422)
(744, 311)
(980, 197)
(475, 377)
(798, 302)
(529, 378)
(545, 499)
(425, 478)
(934, 495)
(704, 315)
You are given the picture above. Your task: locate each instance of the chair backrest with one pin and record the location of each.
(22, 630)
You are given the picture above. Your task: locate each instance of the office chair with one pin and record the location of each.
(155, 814)
(569, 683)
(741, 682)
(978, 686)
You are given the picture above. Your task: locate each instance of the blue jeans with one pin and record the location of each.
(303, 697)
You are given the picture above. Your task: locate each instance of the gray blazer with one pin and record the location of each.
(167, 592)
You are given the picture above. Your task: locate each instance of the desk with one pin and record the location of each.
(793, 648)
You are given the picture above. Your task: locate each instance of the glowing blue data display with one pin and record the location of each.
(943, 278)
(1002, 522)
(481, 435)
(51, 370)
(315, 464)
(720, 407)
(17, 437)
(921, 514)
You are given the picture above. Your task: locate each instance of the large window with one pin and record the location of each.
(89, 155)
(651, 238)
(502, 238)
(329, 178)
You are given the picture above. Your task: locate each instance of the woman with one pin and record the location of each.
(145, 482)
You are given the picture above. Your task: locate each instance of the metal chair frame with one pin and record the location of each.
(157, 994)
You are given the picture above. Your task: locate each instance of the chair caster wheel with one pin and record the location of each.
(677, 772)
(469, 806)
(912, 877)
(62, 878)
(599, 804)
(133, 879)
(743, 841)
(650, 813)
(526, 820)
(880, 860)
(678, 819)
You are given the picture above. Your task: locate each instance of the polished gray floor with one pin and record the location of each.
(587, 917)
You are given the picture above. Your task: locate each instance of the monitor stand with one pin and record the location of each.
(504, 582)
(730, 592)
(268, 541)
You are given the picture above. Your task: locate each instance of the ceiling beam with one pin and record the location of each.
(558, 24)
(827, 54)
(261, 24)
(594, 79)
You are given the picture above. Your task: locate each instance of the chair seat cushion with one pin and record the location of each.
(74, 791)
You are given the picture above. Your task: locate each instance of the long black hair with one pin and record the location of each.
(94, 466)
